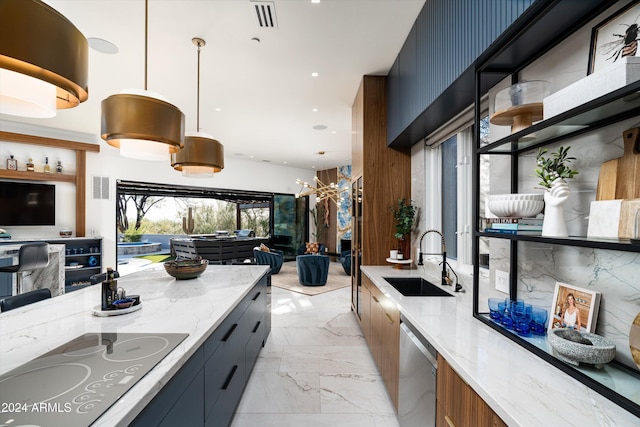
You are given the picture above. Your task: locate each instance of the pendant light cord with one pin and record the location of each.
(198, 95)
(146, 39)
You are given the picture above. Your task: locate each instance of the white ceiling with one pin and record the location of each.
(264, 91)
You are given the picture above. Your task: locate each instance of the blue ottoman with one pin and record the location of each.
(312, 269)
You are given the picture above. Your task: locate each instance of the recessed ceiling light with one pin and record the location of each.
(218, 109)
(320, 127)
(333, 131)
(315, 110)
(314, 74)
(102, 45)
(315, 1)
(251, 157)
(285, 162)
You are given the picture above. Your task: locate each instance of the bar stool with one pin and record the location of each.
(32, 256)
(16, 301)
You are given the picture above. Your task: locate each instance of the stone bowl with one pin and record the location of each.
(186, 269)
(573, 347)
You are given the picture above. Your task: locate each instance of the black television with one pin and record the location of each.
(27, 204)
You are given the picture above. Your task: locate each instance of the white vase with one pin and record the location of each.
(554, 224)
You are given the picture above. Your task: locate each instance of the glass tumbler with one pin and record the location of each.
(539, 316)
(494, 309)
(505, 313)
(521, 314)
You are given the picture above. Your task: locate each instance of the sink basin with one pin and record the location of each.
(416, 287)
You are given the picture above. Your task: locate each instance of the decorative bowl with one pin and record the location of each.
(186, 269)
(564, 342)
(123, 303)
(516, 205)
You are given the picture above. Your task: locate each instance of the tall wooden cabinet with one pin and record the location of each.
(380, 176)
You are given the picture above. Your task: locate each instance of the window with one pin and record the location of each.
(450, 195)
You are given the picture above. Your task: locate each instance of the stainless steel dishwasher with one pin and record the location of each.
(418, 370)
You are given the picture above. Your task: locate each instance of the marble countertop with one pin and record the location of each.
(195, 307)
(521, 388)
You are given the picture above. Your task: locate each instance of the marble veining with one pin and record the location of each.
(521, 388)
(295, 383)
(51, 276)
(193, 306)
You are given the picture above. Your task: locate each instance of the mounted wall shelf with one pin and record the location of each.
(591, 242)
(79, 179)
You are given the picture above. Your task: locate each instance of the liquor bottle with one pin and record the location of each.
(30, 166)
(12, 164)
(59, 167)
(47, 168)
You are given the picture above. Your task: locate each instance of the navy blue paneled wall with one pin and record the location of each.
(447, 37)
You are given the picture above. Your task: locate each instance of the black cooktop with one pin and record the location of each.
(75, 383)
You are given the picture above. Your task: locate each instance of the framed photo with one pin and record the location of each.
(615, 37)
(574, 307)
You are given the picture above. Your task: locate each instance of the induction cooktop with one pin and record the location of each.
(75, 383)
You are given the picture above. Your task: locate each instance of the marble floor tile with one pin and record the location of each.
(281, 393)
(315, 369)
(314, 420)
(354, 394)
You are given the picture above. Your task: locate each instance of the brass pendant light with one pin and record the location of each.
(202, 156)
(142, 124)
(33, 82)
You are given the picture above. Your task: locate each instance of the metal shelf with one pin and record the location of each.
(585, 242)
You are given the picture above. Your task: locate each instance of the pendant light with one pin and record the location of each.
(33, 81)
(202, 156)
(142, 124)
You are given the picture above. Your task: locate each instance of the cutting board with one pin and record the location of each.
(620, 178)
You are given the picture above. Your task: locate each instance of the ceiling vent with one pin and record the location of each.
(265, 13)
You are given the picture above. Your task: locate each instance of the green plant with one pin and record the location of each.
(404, 215)
(317, 219)
(557, 166)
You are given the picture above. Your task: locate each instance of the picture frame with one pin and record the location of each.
(586, 302)
(615, 38)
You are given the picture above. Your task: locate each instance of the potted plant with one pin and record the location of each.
(404, 214)
(552, 172)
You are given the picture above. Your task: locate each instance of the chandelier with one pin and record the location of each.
(321, 190)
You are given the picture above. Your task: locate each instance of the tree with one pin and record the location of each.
(142, 203)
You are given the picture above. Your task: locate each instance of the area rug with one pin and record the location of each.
(287, 278)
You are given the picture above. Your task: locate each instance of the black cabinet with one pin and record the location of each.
(208, 388)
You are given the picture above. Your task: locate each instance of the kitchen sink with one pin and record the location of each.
(416, 287)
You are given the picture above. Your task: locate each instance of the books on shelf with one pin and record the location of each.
(514, 225)
(503, 231)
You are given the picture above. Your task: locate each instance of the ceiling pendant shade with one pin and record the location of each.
(142, 124)
(201, 156)
(33, 81)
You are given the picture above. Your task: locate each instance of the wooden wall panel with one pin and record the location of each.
(386, 174)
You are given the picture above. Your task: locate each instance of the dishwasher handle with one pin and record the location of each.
(405, 329)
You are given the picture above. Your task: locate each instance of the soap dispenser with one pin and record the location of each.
(109, 288)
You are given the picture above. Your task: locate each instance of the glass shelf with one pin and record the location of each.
(581, 241)
(615, 381)
(612, 107)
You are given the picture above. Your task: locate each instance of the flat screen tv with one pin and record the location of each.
(27, 204)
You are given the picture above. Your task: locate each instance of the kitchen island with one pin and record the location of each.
(521, 388)
(194, 309)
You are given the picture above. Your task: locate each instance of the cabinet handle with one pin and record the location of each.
(389, 317)
(256, 297)
(228, 335)
(256, 328)
(448, 421)
(375, 299)
(230, 377)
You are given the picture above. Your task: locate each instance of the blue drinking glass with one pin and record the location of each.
(494, 309)
(521, 314)
(539, 316)
(505, 314)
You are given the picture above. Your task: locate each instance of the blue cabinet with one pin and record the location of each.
(208, 388)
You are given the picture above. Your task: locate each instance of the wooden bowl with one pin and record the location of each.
(186, 269)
